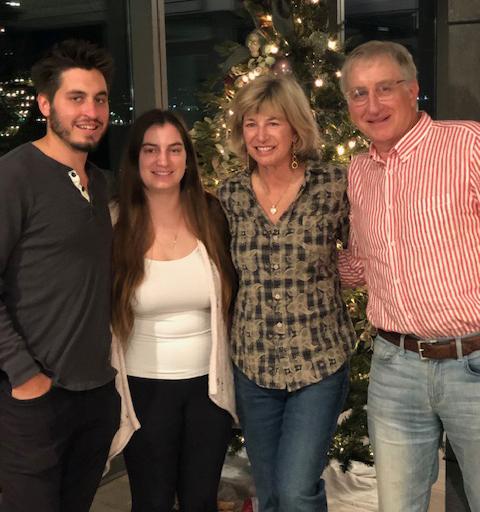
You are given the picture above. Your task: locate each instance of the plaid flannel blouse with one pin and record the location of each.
(290, 325)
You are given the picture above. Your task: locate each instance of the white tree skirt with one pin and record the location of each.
(354, 491)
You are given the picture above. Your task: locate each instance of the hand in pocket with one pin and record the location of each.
(34, 387)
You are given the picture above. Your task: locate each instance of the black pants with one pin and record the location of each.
(53, 449)
(180, 448)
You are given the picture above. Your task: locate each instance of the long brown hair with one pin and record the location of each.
(133, 231)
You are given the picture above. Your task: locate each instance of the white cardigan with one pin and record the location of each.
(220, 376)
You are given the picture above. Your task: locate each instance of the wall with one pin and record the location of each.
(458, 59)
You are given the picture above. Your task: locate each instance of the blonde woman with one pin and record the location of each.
(291, 335)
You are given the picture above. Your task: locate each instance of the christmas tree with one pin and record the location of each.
(295, 37)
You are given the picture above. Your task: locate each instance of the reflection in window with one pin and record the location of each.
(193, 29)
(408, 22)
(27, 29)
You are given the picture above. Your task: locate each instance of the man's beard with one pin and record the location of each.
(65, 134)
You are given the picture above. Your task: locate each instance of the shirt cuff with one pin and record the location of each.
(21, 368)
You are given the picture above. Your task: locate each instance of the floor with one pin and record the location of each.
(114, 496)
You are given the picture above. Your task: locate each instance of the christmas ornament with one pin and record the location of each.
(282, 66)
(254, 42)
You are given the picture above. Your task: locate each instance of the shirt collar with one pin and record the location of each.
(73, 175)
(409, 142)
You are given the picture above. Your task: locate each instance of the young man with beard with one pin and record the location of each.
(58, 405)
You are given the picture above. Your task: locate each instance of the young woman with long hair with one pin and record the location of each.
(172, 288)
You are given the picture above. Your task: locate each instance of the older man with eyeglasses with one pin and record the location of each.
(415, 243)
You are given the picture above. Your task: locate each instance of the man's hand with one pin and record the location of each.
(34, 387)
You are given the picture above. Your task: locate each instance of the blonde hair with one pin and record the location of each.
(278, 94)
(372, 49)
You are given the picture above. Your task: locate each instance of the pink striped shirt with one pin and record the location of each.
(415, 230)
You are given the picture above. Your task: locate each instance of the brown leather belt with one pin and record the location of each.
(433, 349)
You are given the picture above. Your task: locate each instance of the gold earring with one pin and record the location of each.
(294, 163)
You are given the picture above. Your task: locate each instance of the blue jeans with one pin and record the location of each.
(410, 403)
(287, 436)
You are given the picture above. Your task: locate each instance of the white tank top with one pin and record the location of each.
(171, 336)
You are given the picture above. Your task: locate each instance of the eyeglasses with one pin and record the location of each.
(383, 91)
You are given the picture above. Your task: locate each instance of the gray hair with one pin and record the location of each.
(372, 49)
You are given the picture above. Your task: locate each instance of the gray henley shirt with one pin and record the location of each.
(55, 254)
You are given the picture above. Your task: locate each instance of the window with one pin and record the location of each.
(193, 29)
(408, 22)
(27, 29)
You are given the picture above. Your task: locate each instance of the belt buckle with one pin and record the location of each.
(421, 349)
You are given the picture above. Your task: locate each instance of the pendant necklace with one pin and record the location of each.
(274, 205)
(173, 242)
(273, 208)
(175, 237)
